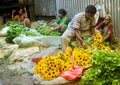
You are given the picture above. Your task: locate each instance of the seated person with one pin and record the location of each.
(106, 27)
(21, 17)
(61, 23)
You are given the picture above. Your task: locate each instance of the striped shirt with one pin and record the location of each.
(80, 22)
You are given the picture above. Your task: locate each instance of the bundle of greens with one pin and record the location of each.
(45, 30)
(88, 40)
(7, 24)
(105, 69)
(1, 27)
(15, 29)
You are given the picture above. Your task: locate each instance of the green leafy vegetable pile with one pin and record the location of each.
(105, 69)
(45, 30)
(88, 40)
(1, 27)
(15, 29)
(7, 24)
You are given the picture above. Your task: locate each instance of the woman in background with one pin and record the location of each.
(61, 23)
(106, 29)
(21, 17)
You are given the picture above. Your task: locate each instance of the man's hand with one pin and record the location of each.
(84, 45)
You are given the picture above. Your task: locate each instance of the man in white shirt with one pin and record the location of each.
(82, 25)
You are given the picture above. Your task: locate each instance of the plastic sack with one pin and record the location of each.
(7, 49)
(35, 32)
(3, 32)
(73, 74)
(48, 52)
(26, 41)
(22, 53)
(37, 80)
(49, 40)
(46, 41)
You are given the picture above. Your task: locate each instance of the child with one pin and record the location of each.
(21, 17)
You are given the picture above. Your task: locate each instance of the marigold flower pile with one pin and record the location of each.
(98, 42)
(50, 67)
(82, 57)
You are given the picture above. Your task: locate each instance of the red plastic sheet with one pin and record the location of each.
(36, 60)
(73, 74)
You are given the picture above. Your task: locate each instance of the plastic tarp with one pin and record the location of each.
(22, 53)
(47, 41)
(48, 52)
(57, 81)
(3, 32)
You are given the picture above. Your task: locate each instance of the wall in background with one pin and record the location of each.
(50, 7)
(45, 7)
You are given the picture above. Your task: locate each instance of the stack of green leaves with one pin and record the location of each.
(105, 69)
(7, 24)
(15, 29)
(1, 27)
(45, 30)
(88, 40)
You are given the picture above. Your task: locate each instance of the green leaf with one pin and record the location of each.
(105, 69)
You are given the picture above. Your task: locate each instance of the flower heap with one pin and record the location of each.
(68, 51)
(48, 68)
(98, 42)
(66, 61)
(51, 67)
(82, 57)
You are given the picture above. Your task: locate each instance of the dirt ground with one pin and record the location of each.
(10, 77)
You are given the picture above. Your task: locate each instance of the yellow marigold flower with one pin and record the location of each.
(60, 54)
(68, 50)
(95, 38)
(91, 52)
(95, 44)
(92, 45)
(107, 48)
(98, 35)
(46, 67)
(101, 45)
